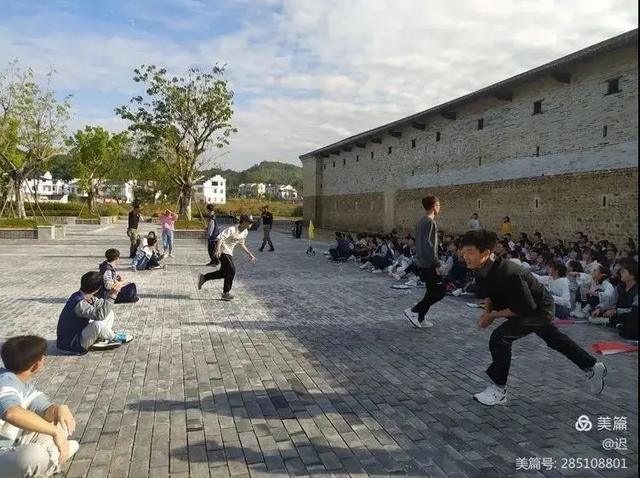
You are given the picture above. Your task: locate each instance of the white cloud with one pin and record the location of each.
(318, 71)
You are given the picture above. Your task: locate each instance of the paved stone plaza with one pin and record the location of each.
(312, 370)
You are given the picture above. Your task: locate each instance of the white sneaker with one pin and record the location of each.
(365, 265)
(171, 255)
(586, 310)
(576, 310)
(599, 320)
(425, 324)
(412, 317)
(595, 376)
(457, 292)
(74, 446)
(376, 271)
(578, 314)
(387, 269)
(492, 395)
(412, 282)
(396, 276)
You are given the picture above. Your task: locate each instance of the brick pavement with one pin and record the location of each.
(311, 371)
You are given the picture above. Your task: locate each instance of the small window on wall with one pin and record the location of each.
(481, 123)
(437, 135)
(389, 150)
(537, 107)
(604, 201)
(371, 154)
(479, 204)
(357, 158)
(479, 160)
(344, 161)
(536, 203)
(604, 131)
(412, 204)
(413, 143)
(537, 150)
(320, 185)
(413, 173)
(334, 164)
(437, 168)
(613, 86)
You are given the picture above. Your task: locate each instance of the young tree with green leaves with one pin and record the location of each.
(97, 155)
(182, 118)
(32, 123)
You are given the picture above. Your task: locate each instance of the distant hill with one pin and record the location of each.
(272, 172)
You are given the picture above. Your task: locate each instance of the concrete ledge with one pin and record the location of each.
(61, 231)
(189, 234)
(27, 233)
(81, 220)
(59, 219)
(46, 233)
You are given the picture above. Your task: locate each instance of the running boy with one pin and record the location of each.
(227, 241)
(511, 292)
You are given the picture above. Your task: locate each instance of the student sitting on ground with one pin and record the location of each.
(147, 256)
(514, 255)
(589, 262)
(459, 276)
(381, 258)
(33, 431)
(601, 295)
(86, 322)
(627, 294)
(557, 284)
(128, 292)
(404, 260)
(342, 250)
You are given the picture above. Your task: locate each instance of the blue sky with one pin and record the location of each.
(305, 72)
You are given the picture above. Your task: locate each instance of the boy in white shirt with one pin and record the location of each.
(227, 241)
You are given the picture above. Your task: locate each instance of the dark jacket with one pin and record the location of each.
(267, 219)
(134, 219)
(510, 286)
(70, 326)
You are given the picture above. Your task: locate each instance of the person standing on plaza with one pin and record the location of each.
(229, 238)
(506, 228)
(512, 292)
(267, 225)
(168, 221)
(474, 222)
(428, 263)
(213, 231)
(132, 228)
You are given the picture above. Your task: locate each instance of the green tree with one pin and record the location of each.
(183, 118)
(62, 167)
(32, 125)
(97, 155)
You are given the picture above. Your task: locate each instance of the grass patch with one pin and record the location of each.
(15, 223)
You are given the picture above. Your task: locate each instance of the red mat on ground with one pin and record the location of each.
(608, 348)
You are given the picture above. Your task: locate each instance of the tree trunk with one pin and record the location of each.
(17, 189)
(90, 199)
(185, 201)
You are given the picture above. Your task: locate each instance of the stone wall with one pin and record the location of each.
(604, 207)
(563, 157)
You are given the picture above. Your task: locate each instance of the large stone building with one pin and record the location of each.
(555, 148)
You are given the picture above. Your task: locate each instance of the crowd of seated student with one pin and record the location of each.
(585, 277)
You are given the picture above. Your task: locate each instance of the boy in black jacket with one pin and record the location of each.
(511, 292)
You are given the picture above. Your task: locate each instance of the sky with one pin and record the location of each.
(305, 73)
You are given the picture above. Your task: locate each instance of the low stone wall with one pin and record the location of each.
(27, 233)
(59, 219)
(82, 220)
(189, 234)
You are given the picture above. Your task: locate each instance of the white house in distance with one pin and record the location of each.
(49, 190)
(118, 190)
(256, 190)
(212, 191)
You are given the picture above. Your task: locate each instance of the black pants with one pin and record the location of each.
(516, 328)
(434, 293)
(266, 236)
(211, 250)
(227, 272)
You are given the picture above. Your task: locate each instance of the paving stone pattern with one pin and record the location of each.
(311, 371)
